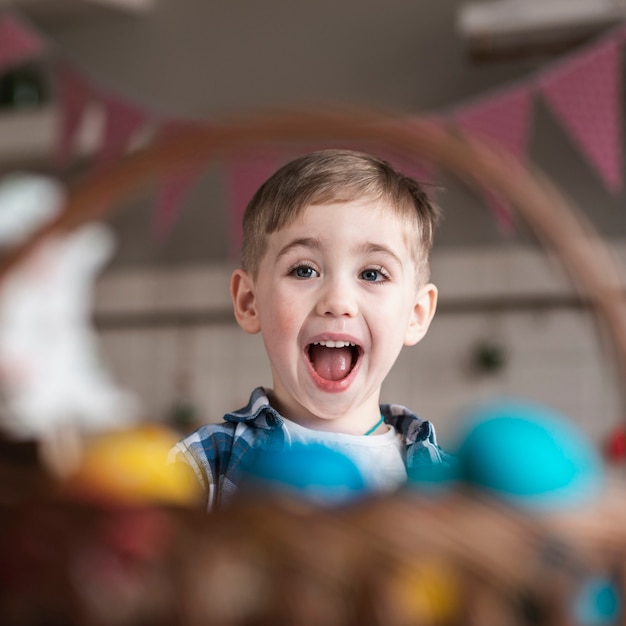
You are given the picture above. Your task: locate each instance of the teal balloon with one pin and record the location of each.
(529, 454)
(313, 472)
(597, 603)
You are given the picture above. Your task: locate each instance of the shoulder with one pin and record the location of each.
(207, 440)
(218, 452)
(211, 441)
(420, 436)
(212, 444)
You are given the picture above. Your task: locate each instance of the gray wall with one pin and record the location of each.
(200, 59)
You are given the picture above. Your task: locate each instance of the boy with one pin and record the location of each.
(334, 275)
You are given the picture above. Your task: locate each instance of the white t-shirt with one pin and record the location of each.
(379, 458)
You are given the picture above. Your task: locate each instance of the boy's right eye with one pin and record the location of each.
(303, 271)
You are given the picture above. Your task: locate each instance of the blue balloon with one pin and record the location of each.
(529, 454)
(313, 472)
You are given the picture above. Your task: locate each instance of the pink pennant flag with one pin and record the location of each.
(500, 209)
(620, 35)
(172, 195)
(176, 188)
(18, 43)
(75, 94)
(122, 120)
(505, 119)
(585, 95)
(246, 173)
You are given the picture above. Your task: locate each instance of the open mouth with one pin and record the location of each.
(333, 360)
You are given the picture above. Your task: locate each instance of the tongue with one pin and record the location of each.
(331, 363)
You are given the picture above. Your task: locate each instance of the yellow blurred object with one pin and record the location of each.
(427, 592)
(130, 466)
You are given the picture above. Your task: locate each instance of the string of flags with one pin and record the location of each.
(583, 91)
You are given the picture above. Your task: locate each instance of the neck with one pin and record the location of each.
(376, 426)
(350, 421)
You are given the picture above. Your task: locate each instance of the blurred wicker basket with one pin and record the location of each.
(458, 558)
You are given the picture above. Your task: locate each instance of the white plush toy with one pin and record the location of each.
(51, 373)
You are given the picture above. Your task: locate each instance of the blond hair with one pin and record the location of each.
(330, 176)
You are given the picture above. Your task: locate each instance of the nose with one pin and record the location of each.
(337, 298)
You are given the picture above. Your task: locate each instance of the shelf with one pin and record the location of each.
(30, 137)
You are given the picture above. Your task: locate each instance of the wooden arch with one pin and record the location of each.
(557, 224)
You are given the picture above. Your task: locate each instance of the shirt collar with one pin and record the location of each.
(259, 411)
(412, 427)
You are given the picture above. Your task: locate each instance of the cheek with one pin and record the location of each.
(391, 318)
(281, 323)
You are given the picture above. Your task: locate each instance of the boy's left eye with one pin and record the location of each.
(373, 275)
(303, 271)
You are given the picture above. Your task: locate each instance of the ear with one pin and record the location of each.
(422, 314)
(244, 301)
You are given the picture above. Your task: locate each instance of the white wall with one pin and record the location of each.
(155, 324)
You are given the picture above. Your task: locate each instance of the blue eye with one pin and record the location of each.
(303, 271)
(373, 275)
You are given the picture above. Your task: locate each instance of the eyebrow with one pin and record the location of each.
(312, 242)
(371, 247)
(304, 242)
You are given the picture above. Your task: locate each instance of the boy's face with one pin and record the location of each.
(340, 275)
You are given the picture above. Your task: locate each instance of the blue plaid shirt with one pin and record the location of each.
(220, 453)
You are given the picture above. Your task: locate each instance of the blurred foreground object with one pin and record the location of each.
(524, 531)
(312, 472)
(459, 557)
(529, 454)
(615, 446)
(461, 553)
(130, 467)
(51, 375)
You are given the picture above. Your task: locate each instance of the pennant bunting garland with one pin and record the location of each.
(122, 121)
(620, 35)
(171, 197)
(500, 209)
(505, 119)
(585, 95)
(175, 189)
(583, 91)
(245, 174)
(18, 43)
(75, 94)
